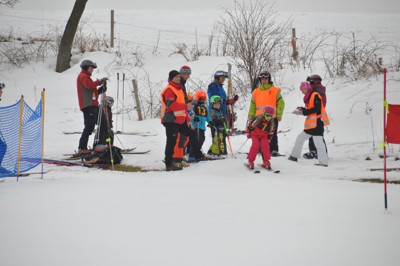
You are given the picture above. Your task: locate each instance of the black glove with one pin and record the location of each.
(103, 81)
(102, 89)
(236, 97)
(196, 119)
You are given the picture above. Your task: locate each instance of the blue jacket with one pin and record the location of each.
(203, 115)
(217, 89)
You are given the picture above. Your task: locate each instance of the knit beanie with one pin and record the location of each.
(172, 74)
(304, 85)
(185, 70)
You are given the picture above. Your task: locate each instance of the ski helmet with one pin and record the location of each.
(200, 96)
(220, 73)
(110, 101)
(216, 99)
(88, 63)
(314, 79)
(269, 110)
(264, 74)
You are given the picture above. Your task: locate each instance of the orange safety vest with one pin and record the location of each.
(311, 120)
(180, 98)
(263, 98)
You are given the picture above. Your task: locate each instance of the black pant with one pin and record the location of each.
(273, 145)
(171, 131)
(199, 136)
(90, 117)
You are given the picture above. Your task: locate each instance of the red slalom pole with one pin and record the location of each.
(384, 137)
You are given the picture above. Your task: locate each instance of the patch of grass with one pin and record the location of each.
(130, 168)
(377, 180)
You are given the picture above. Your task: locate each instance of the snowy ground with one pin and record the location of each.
(213, 213)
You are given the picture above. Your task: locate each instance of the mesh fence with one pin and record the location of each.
(20, 137)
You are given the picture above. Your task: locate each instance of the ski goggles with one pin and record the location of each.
(268, 115)
(2, 85)
(264, 77)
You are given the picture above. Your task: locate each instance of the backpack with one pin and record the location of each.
(101, 155)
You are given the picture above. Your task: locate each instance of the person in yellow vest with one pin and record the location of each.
(174, 117)
(314, 124)
(267, 94)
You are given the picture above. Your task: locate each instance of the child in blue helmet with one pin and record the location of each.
(218, 147)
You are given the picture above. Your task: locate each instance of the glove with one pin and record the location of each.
(298, 111)
(103, 81)
(248, 133)
(196, 119)
(102, 89)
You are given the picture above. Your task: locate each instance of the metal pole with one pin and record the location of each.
(116, 119)
(384, 137)
(43, 105)
(21, 110)
(123, 94)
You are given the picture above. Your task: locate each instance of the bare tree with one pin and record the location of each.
(255, 38)
(64, 52)
(9, 3)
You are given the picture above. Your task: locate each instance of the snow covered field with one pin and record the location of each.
(212, 213)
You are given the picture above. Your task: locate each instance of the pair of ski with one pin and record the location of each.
(143, 134)
(257, 171)
(76, 156)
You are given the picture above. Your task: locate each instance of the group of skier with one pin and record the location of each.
(186, 118)
(182, 116)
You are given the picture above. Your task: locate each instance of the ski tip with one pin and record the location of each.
(277, 171)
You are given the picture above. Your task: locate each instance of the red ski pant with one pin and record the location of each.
(259, 143)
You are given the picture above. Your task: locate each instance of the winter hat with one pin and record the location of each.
(172, 74)
(185, 70)
(305, 85)
(269, 110)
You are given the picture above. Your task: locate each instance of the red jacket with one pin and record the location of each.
(87, 90)
(169, 98)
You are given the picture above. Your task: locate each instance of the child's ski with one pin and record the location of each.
(256, 171)
(270, 169)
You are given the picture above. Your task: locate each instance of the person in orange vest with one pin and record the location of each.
(183, 141)
(315, 82)
(174, 117)
(314, 124)
(267, 94)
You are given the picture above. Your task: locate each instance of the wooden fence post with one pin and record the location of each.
(137, 100)
(295, 53)
(112, 29)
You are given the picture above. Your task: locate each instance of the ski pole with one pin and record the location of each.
(123, 94)
(242, 145)
(229, 140)
(116, 119)
(108, 139)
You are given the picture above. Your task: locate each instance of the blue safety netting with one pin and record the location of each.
(22, 136)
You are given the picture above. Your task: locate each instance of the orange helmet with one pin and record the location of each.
(200, 96)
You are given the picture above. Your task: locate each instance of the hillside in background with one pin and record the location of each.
(212, 213)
